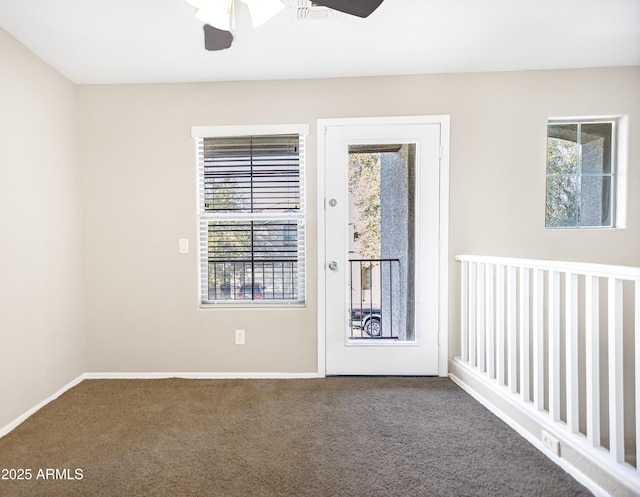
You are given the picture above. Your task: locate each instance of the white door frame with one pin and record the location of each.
(443, 263)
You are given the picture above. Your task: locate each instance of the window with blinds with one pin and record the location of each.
(251, 217)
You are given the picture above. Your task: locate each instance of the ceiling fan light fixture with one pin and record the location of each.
(216, 13)
(263, 10)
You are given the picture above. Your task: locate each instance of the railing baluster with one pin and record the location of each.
(554, 345)
(360, 296)
(592, 362)
(512, 355)
(390, 302)
(235, 285)
(472, 314)
(571, 351)
(500, 336)
(382, 313)
(637, 369)
(464, 311)
(616, 371)
(351, 289)
(490, 322)
(525, 363)
(480, 322)
(538, 339)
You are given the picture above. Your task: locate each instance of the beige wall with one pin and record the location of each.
(138, 184)
(41, 309)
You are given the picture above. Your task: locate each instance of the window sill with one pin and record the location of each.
(245, 305)
(585, 228)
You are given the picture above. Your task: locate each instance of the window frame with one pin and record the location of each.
(199, 133)
(618, 199)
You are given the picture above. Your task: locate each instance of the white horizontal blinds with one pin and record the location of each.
(257, 174)
(252, 218)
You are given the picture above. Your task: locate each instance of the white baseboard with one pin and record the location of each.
(144, 376)
(20, 419)
(587, 465)
(199, 376)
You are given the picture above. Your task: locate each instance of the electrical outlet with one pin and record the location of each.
(551, 442)
(239, 337)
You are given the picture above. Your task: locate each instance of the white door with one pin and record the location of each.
(382, 214)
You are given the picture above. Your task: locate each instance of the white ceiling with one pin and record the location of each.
(145, 41)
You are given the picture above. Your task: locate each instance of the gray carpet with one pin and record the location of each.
(319, 437)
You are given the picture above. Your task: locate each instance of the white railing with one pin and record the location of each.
(563, 340)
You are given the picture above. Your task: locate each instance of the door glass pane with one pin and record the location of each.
(382, 242)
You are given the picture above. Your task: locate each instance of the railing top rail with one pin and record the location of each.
(591, 269)
(374, 260)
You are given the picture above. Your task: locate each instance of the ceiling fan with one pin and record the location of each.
(218, 15)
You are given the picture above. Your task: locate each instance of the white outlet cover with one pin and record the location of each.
(183, 245)
(551, 443)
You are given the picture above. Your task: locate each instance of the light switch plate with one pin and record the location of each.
(183, 245)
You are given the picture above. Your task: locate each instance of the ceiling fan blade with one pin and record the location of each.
(263, 10)
(216, 39)
(360, 8)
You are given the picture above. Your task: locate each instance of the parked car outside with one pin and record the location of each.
(250, 291)
(367, 319)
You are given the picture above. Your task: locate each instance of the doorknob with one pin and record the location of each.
(333, 265)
